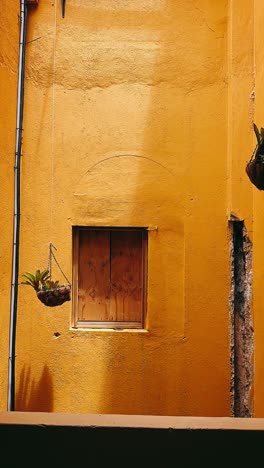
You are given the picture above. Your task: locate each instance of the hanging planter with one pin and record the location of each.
(255, 167)
(55, 296)
(49, 292)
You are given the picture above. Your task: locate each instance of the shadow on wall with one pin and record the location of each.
(154, 125)
(32, 396)
(144, 373)
(157, 376)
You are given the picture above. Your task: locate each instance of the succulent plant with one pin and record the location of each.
(49, 284)
(37, 281)
(260, 137)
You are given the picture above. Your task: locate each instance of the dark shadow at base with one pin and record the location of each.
(32, 396)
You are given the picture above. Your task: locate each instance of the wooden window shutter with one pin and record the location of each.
(109, 277)
(94, 275)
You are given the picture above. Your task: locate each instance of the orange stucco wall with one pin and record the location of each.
(137, 113)
(258, 212)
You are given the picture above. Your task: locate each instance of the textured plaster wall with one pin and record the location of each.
(9, 31)
(241, 114)
(258, 203)
(128, 123)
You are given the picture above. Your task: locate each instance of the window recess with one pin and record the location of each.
(109, 277)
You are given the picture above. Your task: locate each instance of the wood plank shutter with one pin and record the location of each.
(109, 271)
(126, 276)
(94, 275)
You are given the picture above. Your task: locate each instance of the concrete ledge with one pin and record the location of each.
(57, 439)
(131, 421)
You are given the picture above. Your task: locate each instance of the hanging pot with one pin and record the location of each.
(255, 170)
(55, 297)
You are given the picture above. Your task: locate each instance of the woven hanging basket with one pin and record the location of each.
(255, 167)
(255, 170)
(55, 297)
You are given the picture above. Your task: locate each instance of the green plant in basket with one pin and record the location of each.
(37, 281)
(51, 293)
(49, 284)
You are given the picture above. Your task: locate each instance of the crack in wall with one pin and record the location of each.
(242, 333)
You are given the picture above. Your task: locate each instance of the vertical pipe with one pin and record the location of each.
(16, 218)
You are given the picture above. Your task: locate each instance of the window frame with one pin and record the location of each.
(100, 324)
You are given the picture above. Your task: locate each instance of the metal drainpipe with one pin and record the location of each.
(16, 219)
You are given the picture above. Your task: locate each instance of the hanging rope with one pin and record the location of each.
(52, 255)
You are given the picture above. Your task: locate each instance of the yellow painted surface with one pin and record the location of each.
(137, 113)
(258, 203)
